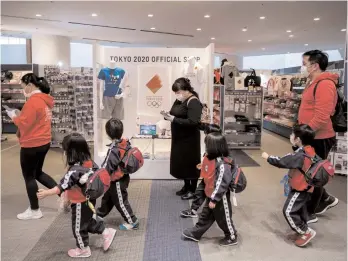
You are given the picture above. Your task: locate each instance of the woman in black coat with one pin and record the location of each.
(185, 116)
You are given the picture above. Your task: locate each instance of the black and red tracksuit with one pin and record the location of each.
(295, 207)
(217, 178)
(83, 221)
(117, 194)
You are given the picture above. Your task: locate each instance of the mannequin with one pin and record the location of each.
(229, 72)
(195, 73)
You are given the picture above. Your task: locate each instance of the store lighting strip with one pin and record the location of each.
(158, 32)
(104, 26)
(109, 41)
(31, 18)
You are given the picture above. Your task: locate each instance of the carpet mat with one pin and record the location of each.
(164, 225)
(242, 159)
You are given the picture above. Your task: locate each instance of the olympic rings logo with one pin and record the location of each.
(154, 104)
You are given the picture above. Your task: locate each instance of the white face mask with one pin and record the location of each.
(27, 95)
(304, 71)
(179, 97)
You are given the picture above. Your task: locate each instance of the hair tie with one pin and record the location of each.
(187, 80)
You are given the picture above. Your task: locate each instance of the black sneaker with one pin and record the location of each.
(187, 196)
(330, 202)
(181, 192)
(312, 219)
(188, 235)
(228, 241)
(189, 213)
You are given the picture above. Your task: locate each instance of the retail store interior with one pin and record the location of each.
(242, 58)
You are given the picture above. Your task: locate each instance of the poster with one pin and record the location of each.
(154, 89)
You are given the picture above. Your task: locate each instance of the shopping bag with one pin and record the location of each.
(285, 182)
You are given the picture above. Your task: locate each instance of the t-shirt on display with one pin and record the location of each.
(228, 73)
(113, 79)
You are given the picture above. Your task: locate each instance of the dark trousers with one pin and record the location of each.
(222, 214)
(32, 160)
(295, 211)
(191, 185)
(199, 196)
(117, 196)
(322, 148)
(84, 223)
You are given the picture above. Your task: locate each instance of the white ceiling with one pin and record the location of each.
(225, 24)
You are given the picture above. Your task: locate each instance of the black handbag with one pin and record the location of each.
(252, 80)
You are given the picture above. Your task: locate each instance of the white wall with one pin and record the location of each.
(81, 55)
(13, 54)
(279, 61)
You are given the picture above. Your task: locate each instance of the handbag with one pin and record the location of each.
(205, 116)
(252, 80)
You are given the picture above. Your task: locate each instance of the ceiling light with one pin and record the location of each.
(199, 29)
(250, 41)
(153, 28)
(316, 19)
(291, 35)
(245, 29)
(38, 15)
(262, 17)
(288, 52)
(94, 15)
(207, 16)
(213, 38)
(263, 49)
(306, 44)
(288, 31)
(150, 15)
(343, 30)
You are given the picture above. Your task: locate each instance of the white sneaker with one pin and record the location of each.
(30, 214)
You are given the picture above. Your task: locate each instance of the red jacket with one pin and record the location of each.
(316, 111)
(34, 121)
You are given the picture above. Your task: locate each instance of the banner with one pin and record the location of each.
(154, 89)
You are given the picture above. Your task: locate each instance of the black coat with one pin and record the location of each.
(186, 139)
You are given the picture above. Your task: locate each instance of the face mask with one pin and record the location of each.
(27, 95)
(304, 71)
(179, 97)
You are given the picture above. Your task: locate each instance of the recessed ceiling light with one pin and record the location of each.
(150, 15)
(288, 52)
(153, 28)
(207, 16)
(213, 38)
(199, 29)
(38, 15)
(245, 29)
(250, 41)
(94, 15)
(343, 30)
(306, 44)
(263, 49)
(316, 19)
(288, 31)
(262, 17)
(291, 35)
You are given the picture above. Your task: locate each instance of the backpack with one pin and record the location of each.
(339, 119)
(319, 173)
(205, 116)
(239, 181)
(131, 158)
(97, 184)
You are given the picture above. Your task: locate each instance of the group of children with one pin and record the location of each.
(213, 192)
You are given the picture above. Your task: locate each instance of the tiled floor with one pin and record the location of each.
(258, 218)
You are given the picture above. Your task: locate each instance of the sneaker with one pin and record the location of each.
(228, 241)
(127, 226)
(187, 196)
(187, 234)
(312, 219)
(108, 237)
(189, 213)
(330, 202)
(181, 192)
(30, 214)
(303, 240)
(78, 252)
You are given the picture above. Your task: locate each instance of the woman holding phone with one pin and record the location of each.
(185, 116)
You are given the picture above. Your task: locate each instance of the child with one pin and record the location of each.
(79, 163)
(217, 206)
(117, 195)
(199, 193)
(295, 208)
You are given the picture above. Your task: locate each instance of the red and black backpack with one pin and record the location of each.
(239, 181)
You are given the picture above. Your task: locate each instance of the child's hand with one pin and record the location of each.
(199, 166)
(41, 194)
(212, 205)
(265, 155)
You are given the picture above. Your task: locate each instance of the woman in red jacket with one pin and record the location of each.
(34, 132)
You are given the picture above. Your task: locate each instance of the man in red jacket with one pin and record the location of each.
(315, 111)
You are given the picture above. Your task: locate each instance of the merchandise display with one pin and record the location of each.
(338, 154)
(194, 71)
(218, 89)
(229, 73)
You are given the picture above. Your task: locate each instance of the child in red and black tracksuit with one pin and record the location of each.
(295, 207)
(117, 194)
(217, 180)
(80, 166)
(199, 193)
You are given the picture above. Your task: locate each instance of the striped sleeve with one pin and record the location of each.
(222, 182)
